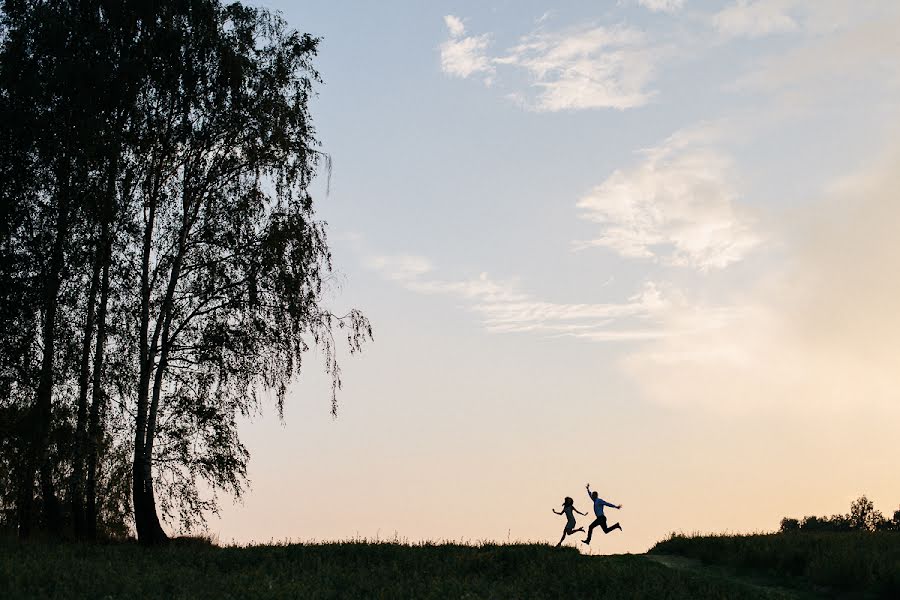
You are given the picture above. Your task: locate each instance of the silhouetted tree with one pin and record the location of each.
(893, 524)
(47, 116)
(160, 257)
(232, 261)
(788, 524)
(863, 516)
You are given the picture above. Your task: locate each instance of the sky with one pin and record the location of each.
(649, 245)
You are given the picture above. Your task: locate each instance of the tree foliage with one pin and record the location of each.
(863, 516)
(160, 257)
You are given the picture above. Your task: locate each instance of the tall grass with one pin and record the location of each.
(856, 562)
(338, 570)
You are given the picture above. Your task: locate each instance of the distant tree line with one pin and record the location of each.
(863, 516)
(160, 260)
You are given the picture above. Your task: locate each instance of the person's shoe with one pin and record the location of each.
(585, 542)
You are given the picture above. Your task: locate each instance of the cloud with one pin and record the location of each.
(544, 17)
(589, 67)
(867, 51)
(818, 334)
(578, 320)
(755, 18)
(481, 289)
(461, 55)
(677, 207)
(584, 68)
(668, 6)
(400, 267)
(504, 308)
(455, 26)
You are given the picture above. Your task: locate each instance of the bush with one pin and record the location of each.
(893, 524)
(789, 525)
(863, 516)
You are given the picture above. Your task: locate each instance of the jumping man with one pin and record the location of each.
(599, 503)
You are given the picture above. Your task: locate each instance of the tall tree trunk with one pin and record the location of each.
(145, 356)
(146, 521)
(95, 429)
(77, 486)
(39, 454)
(152, 530)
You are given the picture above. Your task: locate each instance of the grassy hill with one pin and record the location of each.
(856, 564)
(351, 570)
(797, 565)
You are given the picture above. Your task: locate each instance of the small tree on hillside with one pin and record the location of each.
(863, 516)
(891, 525)
(788, 524)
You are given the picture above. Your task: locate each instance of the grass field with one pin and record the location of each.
(798, 565)
(351, 570)
(856, 564)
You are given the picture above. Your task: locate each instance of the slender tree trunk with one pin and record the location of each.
(91, 438)
(77, 487)
(95, 429)
(150, 525)
(145, 358)
(146, 520)
(154, 531)
(39, 454)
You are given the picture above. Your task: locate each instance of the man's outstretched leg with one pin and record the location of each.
(596, 522)
(608, 529)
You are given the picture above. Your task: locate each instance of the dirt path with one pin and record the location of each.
(762, 584)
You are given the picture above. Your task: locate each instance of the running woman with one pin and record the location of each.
(599, 503)
(567, 508)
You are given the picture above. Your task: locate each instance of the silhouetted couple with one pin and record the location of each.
(599, 521)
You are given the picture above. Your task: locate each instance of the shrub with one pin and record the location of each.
(789, 525)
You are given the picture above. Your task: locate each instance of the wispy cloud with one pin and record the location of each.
(678, 206)
(504, 308)
(455, 26)
(400, 267)
(586, 67)
(589, 67)
(820, 331)
(868, 50)
(668, 6)
(462, 55)
(755, 18)
(544, 17)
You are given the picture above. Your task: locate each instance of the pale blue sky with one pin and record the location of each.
(598, 242)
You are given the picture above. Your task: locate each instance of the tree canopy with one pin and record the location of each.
(863, 516)
(160, 256)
